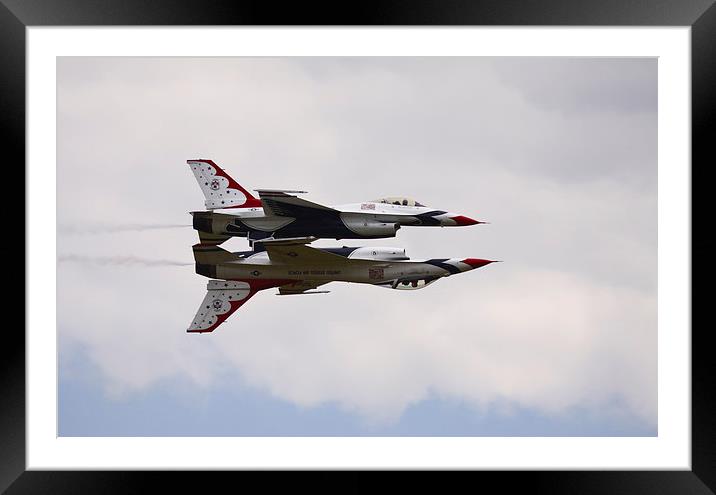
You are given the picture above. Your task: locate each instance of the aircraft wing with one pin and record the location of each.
(284, 204)
(297, 253)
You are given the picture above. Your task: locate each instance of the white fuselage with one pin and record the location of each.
(379, 212)
(358, 269)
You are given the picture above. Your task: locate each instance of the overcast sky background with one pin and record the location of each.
(559, 154)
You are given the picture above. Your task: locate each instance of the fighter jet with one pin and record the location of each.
(281, 214)
(296, 268)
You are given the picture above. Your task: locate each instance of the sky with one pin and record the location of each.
(558, 154)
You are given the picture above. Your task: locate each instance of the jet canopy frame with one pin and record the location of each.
(399, 200)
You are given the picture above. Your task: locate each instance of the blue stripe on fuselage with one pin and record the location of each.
(445, 266)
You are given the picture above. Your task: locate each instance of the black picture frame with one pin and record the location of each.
(16, 15)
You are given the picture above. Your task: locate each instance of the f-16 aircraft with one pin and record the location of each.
(296, 268)
(281, 214)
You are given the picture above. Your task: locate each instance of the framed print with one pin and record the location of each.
(569, 127)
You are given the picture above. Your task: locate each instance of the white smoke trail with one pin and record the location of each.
(111, 229)
(117, 260)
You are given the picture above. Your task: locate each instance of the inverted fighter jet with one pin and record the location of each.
(296, 268)
(281, 214)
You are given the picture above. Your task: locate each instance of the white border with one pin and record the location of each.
(670, 450)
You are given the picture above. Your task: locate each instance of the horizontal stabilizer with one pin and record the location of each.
(282, 204)
(278, 192)
(209, 254)
(212, 239)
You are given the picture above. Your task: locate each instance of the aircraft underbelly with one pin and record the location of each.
(267, 224)
(360, 273)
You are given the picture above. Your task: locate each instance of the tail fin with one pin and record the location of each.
(222, 298)
(220, 190)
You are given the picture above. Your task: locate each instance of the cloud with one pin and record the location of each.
(563, 167)
(541, 339)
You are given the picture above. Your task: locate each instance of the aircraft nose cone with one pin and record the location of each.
(476, 262)
(463, 220)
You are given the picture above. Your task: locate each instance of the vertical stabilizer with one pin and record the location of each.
(220, 190)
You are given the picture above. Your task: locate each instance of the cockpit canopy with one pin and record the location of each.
(398, 200)
(407, 284)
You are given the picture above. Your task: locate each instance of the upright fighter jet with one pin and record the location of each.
(296, 268)
(281, 214)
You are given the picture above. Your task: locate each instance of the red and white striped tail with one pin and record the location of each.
(223, 298)
(220, 190)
